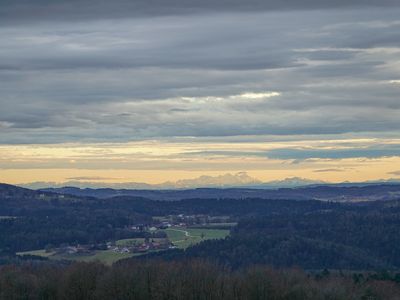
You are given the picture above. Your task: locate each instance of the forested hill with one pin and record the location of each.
(322, 192)
(312, 234)
(335, 239)
(189, 280)
(11, 191)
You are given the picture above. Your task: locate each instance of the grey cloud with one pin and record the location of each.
(123, 79)
(301, 154)
(374, 37)
(298, 154)
(181, 43)
(397, 173)
(344, 69)
(333, 54)
(26, 10)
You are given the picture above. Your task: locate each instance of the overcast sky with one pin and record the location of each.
(287, 83)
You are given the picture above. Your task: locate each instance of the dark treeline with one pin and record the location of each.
(33, 222)
(36, 219)
(189, 280)
(282, 233)
(336, 239)
(341, 192)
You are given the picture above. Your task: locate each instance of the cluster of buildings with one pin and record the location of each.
(79, 249)
(151, 227)
(157, 241)
(160, 244)
(135, 247)
(182, 220)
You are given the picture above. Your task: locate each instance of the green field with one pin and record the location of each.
(226, 225)
(180, 237)
(129, 242)
(7, 217)
(135, 241)
(41, 253)
(185, 237)
(106, 256)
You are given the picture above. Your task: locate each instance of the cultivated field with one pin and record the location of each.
(181, 237)
(105, 256)
(185, 237)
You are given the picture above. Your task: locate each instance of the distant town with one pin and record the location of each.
(161, 234)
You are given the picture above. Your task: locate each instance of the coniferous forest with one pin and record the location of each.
(199, 149)
(275, 249)
(188, 280)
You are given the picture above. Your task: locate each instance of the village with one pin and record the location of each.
(163, 233)
(137, 245)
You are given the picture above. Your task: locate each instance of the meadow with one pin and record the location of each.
(185, 237)
(181, 237)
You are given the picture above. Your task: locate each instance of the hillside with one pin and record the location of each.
(12, 191)
(281, 232)
(321, 192)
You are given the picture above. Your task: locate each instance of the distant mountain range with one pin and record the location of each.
(237, 180)
(240, 179)
(346, 192)
(320, 192)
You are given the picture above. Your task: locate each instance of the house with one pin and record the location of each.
(124, 250)
(71, 250)
(143, 248)
(138, 227)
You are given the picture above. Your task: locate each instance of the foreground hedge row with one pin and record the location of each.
(191, 280)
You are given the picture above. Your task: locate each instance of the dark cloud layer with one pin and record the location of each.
(27, 10)
(80, 71)
(288, 153)
(300, 154)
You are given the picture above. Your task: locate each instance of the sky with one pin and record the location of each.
(169, 90)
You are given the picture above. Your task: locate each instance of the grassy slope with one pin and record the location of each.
(177, 236)
(182, 240)
(106, 256)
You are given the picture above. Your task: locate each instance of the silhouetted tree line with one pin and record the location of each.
(321, 239)
(189, 280)
(37, 221)
(311, 234)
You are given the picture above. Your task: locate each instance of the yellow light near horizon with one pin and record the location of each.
(160, 161)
